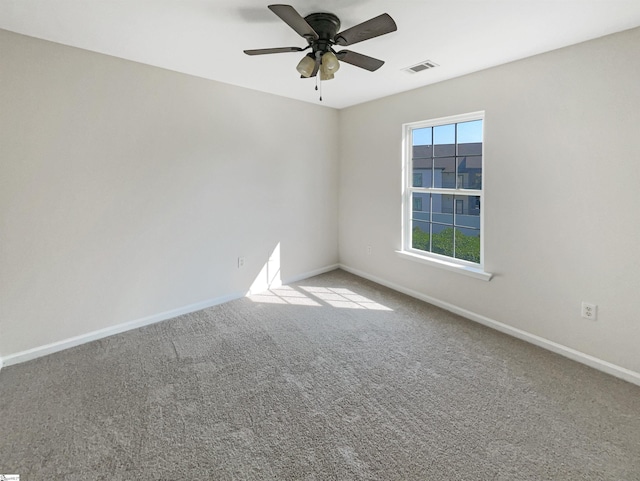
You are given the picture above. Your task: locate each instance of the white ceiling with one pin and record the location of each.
(206, 37)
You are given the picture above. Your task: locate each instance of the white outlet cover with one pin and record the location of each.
(589, 311)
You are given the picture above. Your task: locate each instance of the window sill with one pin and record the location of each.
(476, 272)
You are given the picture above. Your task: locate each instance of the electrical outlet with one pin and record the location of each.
(368, 250)
(240, 262)
(589, 311)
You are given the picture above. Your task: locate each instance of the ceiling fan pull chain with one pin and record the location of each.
(319, 82)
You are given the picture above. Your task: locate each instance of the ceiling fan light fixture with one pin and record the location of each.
(330, 63)
(325, 76)
(306, 65)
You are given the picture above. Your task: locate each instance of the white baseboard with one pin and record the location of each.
(604, 366)
(316, 272)
(591, 361)
(40, 351)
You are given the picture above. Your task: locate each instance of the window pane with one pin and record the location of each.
(470, 172)
(442, 206)
(420, 206)
(444, 170)
(444, 140)
(422, 173)
(468, 211)
(422, 143)
(422, 136)
(420, 235)
(470, 132)
(442, 240)
(467, 244)
(470, 138)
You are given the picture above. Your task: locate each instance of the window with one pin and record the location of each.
(443, 191)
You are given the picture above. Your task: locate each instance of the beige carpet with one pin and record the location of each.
(332, 378)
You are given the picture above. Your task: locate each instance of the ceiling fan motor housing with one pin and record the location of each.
(326, 25)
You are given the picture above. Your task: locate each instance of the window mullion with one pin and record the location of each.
(437, 190)
(430, 223)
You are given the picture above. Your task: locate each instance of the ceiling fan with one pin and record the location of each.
(320, 30)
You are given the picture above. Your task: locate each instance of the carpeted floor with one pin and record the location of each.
(331, 378)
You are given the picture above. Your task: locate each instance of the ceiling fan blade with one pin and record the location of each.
(368, 63)
(292, 18)
(374, 27)
(263, 51)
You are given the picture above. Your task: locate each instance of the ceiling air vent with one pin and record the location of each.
(426, 65)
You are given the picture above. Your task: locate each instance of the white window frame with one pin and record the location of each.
(407, 251)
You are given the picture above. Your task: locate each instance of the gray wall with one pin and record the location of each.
(562, 176)
(128, 190)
